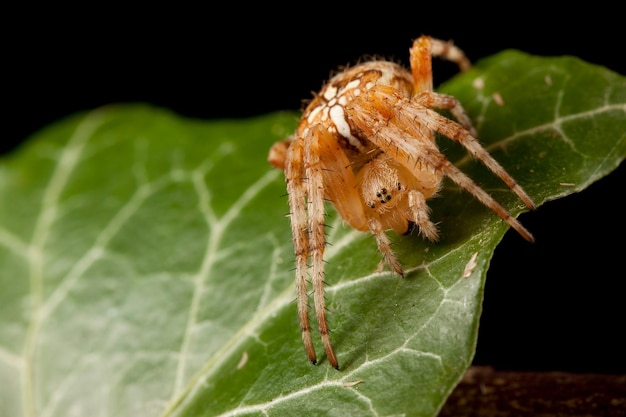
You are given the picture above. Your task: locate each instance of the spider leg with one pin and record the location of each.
(384, 245)
(455, 132)
(402, 129)
(421, 52)
(432, 100)
(317, 241)
(294, 175)
(421, 66)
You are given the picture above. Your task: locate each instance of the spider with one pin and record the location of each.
(366, 143)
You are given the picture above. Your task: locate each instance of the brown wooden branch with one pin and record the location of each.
(486, 392)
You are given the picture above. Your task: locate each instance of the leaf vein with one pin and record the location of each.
(67, 162)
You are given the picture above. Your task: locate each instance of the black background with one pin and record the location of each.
(556, 304)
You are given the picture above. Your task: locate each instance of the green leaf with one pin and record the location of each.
(147, 260)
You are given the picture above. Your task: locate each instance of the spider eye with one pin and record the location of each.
(385, 198)
(399, 186)
(371, 205)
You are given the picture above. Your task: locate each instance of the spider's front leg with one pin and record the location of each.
(464, 136)
(317, 242)
(329, 177)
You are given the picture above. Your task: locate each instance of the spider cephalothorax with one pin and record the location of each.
(366, 143)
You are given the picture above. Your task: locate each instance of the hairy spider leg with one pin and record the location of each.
(421, 52)
(324, 163)
(315, 191)
(460, 134)
(294, 176)
(421, 67)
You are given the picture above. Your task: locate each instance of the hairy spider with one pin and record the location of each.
(366, 143)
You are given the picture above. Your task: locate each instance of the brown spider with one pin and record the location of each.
(366, 143)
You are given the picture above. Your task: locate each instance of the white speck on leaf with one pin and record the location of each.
(470, 266)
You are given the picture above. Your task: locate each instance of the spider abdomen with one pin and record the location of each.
(329, 107)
